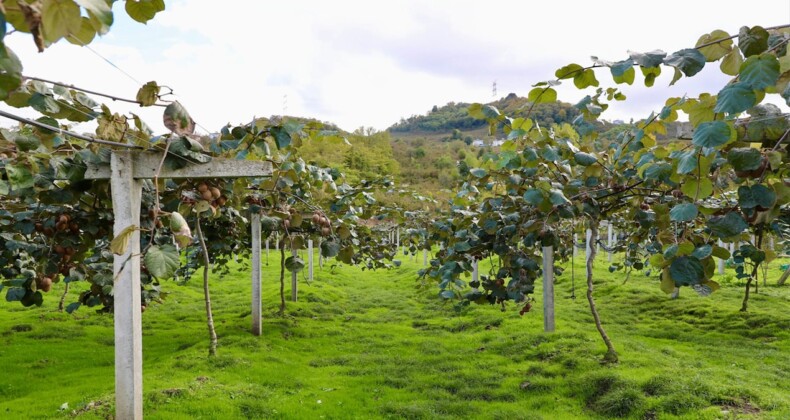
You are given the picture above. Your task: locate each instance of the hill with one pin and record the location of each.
(455, 116)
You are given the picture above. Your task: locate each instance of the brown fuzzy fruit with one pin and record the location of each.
(44, 284)
(316, 218)
(70, 251)
(60, 250)
(325, 231)
(215, 193)
(207, 195)
(64, 219)
(221, 201)
(48, 231)
(202, 187)
(286, 223)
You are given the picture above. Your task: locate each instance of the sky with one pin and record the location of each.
(371, 63)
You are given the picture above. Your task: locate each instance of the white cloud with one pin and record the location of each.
(370, 63)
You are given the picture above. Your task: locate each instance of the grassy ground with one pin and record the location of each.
(372, 345)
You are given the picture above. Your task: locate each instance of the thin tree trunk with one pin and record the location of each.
(212, 347)
(744, 306)
(63, 297)
(282, 279)
(611, 354)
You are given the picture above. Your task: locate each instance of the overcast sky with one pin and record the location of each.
(369, 63)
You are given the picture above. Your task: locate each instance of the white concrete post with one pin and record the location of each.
(310, 259)
(126, 193)
(721, 261)
(548, 289)
(397, 239)
(294, 290)
(320, 257)
(575, 242)
(611, 240)
(255, 226)
(424, 257)
(588, 252)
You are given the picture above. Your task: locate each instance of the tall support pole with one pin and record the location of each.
(548, 289)
(397, 239)
(424, 257)
(475, 271)
(575, 242)
(126, 193)
(721, 261)
(294, 290)
(588, 253)
(267, 250)
(310, 259)
(611, 239)
(255, 226)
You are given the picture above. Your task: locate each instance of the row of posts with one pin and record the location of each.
(394, 237)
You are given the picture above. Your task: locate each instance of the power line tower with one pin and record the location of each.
(493, 90)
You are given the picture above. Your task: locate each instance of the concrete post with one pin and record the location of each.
(721, 261)
(588, 252)
(548, 289)
(126, 193)
(310, 259)
(611, 240)
(425, 257)
(255, 226)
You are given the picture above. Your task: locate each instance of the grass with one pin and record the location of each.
(363, 344)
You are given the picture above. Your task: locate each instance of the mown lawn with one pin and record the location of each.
(363, 344)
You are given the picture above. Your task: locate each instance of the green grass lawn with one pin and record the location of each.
(363, 344)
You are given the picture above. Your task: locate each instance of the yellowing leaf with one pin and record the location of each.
(120, 242)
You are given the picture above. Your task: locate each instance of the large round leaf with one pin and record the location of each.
(686, 271)
(683, 212)
(712, 134)
(735, 98)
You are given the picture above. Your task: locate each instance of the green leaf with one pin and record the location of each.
(727, 226)
(756, 196)
(542, 95)
(626, 77)
(731, 64)
(735, 98)
(144, 10)
(719, 49)
(60, 18)
(177, 119)
(667, 285)
(557, 197)
(697, 189)
(688, 162)
(330, 248)
(148, 94)
(649, 59)
(702, 252)
(712, 134)
(684, 212)
(568, 71)
(752, 41)
(162, 261)
(10, 72)
(744, 159)
(585, 159)
(19, 177)
(585, 79)
(686, 271)
(294, 264)
(720, 252)
(650, 73)
(760, 72)
(688, 60)
(478, 172)
(120, 243)
(101, 9)
(85, 35)
(533, 196)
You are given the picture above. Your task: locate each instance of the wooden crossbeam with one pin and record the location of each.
(146, 164)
